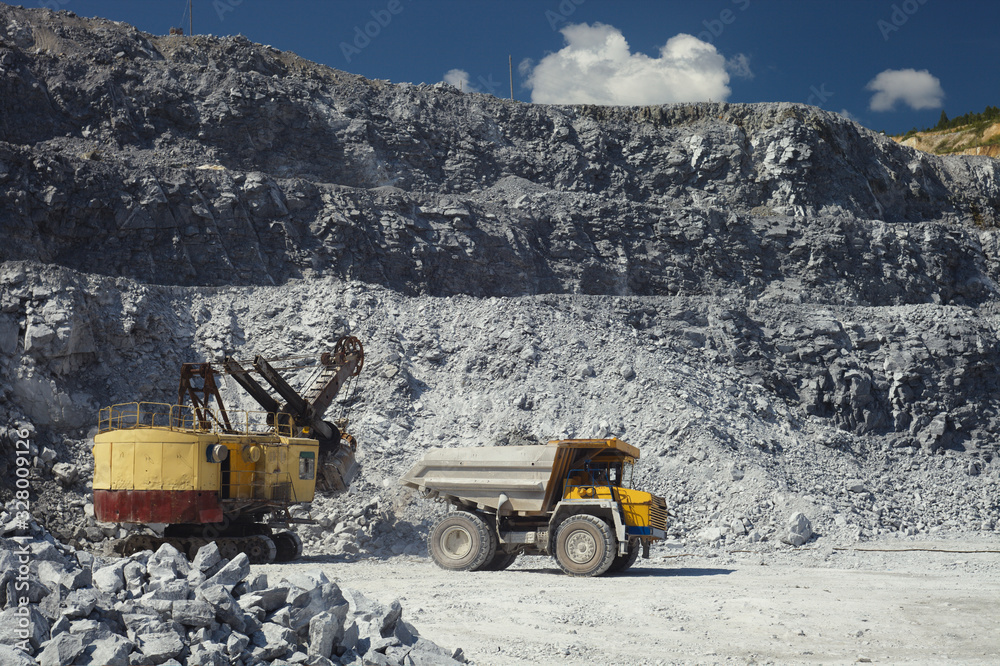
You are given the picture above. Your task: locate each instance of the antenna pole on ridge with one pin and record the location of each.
(510, 69)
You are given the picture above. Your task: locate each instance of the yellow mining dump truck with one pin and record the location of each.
(564, 499)
(229, 476)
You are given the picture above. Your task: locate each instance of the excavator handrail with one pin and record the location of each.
(186, 418)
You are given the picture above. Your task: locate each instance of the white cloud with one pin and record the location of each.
(597, 67)
(460, 79)
(918, 90)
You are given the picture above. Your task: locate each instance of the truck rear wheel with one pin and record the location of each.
(462, 541)
(623, 562)
(585, 545)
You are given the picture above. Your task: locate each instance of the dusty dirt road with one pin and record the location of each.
(807, 606)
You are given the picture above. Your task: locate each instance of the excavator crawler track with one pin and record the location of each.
(259, 548)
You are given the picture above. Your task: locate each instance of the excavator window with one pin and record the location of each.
(307, 465)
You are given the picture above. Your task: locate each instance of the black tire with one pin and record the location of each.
(136, 543)
(194, 545)
(585, 545)
(623, 562)
(462, 541)
(260, 549)
(500, 561)
(289, 546)
(229, 547)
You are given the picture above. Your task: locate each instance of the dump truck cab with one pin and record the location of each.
(565, 499)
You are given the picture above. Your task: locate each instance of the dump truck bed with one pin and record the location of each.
(530, 476)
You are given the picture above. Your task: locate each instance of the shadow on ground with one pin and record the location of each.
(679, 571)
(646, 572)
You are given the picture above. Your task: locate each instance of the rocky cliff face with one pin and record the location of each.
(769, 299)
(218, 161)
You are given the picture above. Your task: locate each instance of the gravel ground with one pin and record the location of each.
(818, 605)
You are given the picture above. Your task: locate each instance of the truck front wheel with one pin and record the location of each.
(623, 562)
(585, 545)
(461, 541)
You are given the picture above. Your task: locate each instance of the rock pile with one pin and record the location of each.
(359, 525)
(63, 606)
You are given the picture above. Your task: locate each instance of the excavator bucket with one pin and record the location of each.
(339, 469)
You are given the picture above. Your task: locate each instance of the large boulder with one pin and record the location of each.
(797, 530)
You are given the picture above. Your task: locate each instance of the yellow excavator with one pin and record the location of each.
(229, 476)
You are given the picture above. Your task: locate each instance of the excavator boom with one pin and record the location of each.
(304, 410)
(250, 385)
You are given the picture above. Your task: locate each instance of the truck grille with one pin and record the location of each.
(658, 513)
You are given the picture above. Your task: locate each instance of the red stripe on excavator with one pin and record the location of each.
(157, 506)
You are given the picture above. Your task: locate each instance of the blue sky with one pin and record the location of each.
(931, 54)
